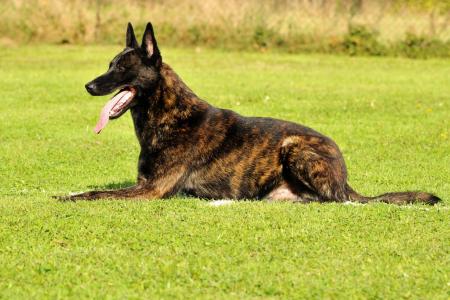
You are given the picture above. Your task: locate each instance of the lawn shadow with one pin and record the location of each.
(113, 185)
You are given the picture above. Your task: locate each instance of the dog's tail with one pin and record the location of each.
(394, 198)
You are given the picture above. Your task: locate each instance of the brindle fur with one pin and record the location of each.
(189, 146)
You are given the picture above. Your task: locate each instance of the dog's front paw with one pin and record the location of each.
(72, 197)
(67, 198)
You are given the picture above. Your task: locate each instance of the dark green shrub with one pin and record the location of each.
(361, 40)
(263, 36)
(417, 46)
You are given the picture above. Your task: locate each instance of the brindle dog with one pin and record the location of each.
(189, 146)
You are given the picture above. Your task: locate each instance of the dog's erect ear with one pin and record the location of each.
(150, 46)
(131, 38)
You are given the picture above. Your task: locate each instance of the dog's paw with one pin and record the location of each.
(72, 197)
(67, 198)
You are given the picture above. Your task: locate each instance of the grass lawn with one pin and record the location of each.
(390, 116)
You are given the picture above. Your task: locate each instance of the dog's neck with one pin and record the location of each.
(173, 93)
(170, 104)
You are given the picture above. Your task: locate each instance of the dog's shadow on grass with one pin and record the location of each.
(113, 185)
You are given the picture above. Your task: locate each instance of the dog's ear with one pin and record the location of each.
(131, 38)
(150, 46)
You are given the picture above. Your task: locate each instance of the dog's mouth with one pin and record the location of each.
(115, 107)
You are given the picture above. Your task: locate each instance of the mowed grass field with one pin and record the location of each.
(390, 117)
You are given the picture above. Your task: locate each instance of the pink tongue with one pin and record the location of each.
(104, 115)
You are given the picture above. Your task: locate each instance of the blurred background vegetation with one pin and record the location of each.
(412, 28)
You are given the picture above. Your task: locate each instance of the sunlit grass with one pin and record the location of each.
(389, 117)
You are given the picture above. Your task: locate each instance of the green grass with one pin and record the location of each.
(389, 116)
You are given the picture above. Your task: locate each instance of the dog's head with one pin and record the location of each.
(134, 72)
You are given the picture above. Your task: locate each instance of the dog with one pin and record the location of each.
(189, 146)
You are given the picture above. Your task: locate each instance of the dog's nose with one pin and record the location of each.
(90, 87)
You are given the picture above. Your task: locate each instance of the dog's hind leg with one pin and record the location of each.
(317, 164)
